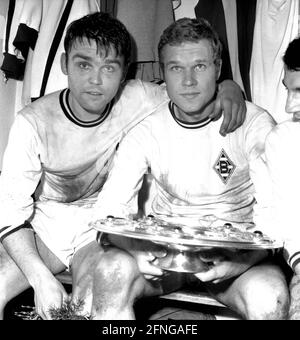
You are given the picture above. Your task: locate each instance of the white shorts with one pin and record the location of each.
(64, 227)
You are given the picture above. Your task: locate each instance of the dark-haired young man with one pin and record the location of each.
(60, 151)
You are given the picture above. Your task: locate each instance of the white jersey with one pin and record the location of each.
(61, 159)
(198, 173)
(282, 155)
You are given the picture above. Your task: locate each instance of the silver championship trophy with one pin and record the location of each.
(181, 243)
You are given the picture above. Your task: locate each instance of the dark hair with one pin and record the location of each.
(291, 57)
(105, 30)
(191, 30)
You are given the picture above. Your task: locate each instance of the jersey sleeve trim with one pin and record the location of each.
(6, 231)
(294, 259)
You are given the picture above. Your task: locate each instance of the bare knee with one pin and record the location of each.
(116, 269)
(116, 286)
(268, 302)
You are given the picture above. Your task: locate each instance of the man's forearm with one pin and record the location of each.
(255, 256)
(21, 247)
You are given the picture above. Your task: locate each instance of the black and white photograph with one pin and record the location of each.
(149, 163)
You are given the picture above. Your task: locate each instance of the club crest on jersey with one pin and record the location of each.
(224, 166)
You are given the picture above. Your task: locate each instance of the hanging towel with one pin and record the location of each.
(276, 25)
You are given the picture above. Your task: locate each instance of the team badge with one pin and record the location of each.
(224, 167)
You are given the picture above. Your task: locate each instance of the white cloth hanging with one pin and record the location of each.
(276, 25)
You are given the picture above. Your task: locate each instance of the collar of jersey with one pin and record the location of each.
(64, 102)
(188, 125)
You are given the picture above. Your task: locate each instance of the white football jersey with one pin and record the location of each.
(282, 155)
(199, 175)
(59, 158)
